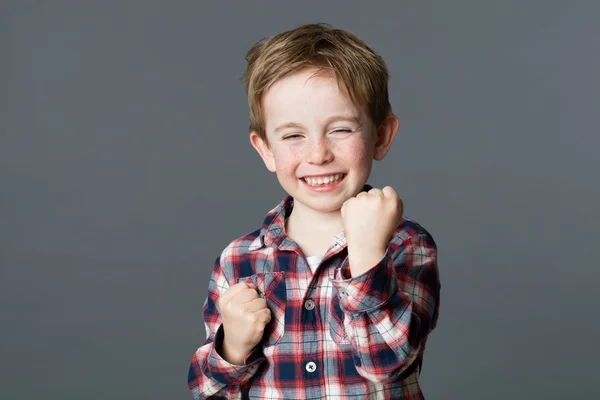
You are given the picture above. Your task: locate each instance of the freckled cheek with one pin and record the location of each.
(355, 154)
(287, 162)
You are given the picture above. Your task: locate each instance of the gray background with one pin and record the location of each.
(126, 168)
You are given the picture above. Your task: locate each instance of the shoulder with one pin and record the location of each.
(236, 255)
(239, 256)
(242, 245)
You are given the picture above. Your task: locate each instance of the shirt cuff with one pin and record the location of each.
(369, 290)
(226, 373)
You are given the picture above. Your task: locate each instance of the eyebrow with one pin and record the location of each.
(288, 125)
(336, 118)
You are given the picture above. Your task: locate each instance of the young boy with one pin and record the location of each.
(335, 295)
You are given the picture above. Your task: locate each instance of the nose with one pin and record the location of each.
(319, 151)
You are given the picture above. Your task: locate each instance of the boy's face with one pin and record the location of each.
(313, 129)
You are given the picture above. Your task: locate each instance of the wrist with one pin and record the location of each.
(363, 258)
(365, 247)
(234, 355)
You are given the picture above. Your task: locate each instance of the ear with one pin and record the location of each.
(263, 149)
(386, 132)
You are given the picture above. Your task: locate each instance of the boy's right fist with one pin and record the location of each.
(245, 315)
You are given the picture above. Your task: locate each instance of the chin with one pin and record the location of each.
(324, 205)
(326, 208)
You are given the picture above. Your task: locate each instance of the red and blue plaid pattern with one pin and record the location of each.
(330, 336)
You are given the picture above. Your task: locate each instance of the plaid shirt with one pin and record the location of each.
(331, 336)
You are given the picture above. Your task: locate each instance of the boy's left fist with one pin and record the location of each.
(369, 221)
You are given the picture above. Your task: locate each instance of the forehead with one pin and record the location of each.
(307, 96)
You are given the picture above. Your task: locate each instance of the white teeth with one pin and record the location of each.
(323, 180)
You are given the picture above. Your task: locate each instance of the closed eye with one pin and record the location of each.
(291, 137)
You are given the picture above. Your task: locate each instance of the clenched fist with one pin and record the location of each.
(369, 221)
(245, 315)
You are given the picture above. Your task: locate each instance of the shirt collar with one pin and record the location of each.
(272, 233)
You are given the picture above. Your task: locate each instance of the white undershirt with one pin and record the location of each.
(313, 261)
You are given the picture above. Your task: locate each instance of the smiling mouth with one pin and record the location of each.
(323, 181)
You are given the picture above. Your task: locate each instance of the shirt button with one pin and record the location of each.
(311, 367)
(343, 293)
(309, 304)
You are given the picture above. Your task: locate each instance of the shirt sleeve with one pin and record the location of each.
(210, 375)
(389, 310)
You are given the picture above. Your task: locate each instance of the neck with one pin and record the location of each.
(306, 220)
